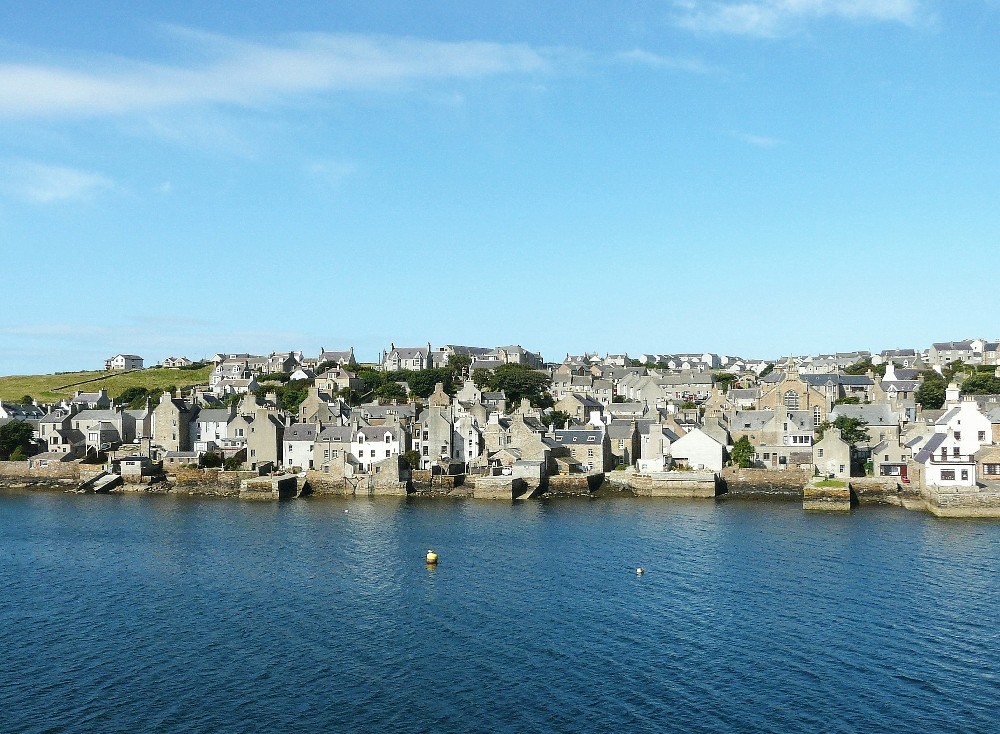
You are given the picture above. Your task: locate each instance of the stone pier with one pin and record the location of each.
(827, 494)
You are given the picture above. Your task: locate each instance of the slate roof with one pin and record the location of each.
(300, 432)
(930, 447)
(336, 434)
(876, 414)
(213, 415)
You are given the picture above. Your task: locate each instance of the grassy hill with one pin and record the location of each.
(49, 388)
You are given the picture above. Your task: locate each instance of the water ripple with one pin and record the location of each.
(125, 614)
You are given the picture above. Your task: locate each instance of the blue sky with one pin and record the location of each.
(758, 177)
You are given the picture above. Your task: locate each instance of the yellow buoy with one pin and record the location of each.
(432, 557)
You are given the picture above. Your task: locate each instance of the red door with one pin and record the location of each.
(902, 473)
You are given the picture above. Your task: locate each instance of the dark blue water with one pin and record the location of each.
(129, 614)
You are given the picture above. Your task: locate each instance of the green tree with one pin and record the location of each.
(849, 400)
(981, 384)
(459, 365)
(423, 382)
(931, 393)
(18, 454)
(211, 460)
(724, 380)
(14, 435)
(766, 371)
(863, 365)
(743, 453)
(558, 418)
(232, 464)
(852, 430)
(134, 397)
(481, 377)
(412, 458)
(26, 400)
(390, 392)
(519, 381)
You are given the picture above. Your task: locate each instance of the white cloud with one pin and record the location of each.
(773, 18)
(332, 172)
(252, 74)
(45, 184)
(667, 63)
(760, 141)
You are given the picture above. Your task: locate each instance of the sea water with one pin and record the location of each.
(126, 613)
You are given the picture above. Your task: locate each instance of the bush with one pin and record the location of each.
(211, 460)
(232, 464)
(18, 455)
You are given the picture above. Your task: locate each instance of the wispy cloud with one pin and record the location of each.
(759, 141)
(234, 72)
(332, 172)
(44, 184)
(773, 18)
(667, 63)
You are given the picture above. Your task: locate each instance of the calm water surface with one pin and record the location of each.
(128, 614)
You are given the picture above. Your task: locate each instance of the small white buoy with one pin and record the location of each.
(345, 512)
(432, 557)
(640, 571)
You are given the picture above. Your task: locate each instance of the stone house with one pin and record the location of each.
(408, 358)
(259, 429)
(104, 430)
(339, 358)
(90, 400)
(332, 451)
(579, 407)
(171, 423)
(832, 455)
(337, 379)
(589, 446)
(624, 438)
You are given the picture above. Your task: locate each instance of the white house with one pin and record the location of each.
(300, 440)
(372, 444)
(123, 362)
(698, 450)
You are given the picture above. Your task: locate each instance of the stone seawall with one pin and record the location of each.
(21, 470)
(962, 501)
(765, 483)
(881, 491)
(190, 480)
(574, 484)
(681, 485)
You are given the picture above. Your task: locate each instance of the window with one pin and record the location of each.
(425, 453)
(819, 453)
(958, 435)
(767, 457)
(947, 475)
(954, 451)
(792, 400)
(887, 457)
(841, 468)
(991, 469)
(981, 436)
(965, 475)
(387, 453)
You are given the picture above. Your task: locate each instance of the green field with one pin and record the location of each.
(50, 388)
